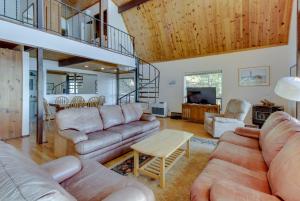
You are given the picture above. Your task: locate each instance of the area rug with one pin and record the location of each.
(180, 177)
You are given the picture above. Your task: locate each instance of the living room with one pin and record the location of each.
(149, 100)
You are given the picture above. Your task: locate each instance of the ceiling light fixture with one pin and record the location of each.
(102, 68)
(86, 66)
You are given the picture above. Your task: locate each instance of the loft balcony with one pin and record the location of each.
(56, 26)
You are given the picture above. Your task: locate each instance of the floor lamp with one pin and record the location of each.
(289, 88)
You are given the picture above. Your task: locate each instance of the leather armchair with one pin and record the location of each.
(234, 116)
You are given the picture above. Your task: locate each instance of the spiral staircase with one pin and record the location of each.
(147, 85)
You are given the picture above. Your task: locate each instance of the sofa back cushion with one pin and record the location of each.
(111, 115)
(284, 174)
(22, 180)
(273, 120)
(132, 112)
(277, 138)
(87, 120)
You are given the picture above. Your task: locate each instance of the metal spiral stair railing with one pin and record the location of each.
(147, 84)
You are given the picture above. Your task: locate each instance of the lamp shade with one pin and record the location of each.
(288, 88)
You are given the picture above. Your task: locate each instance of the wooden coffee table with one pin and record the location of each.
(166, 148)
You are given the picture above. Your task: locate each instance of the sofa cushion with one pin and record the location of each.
(284, 174)
(111, 115)
(82, 119)
(243, 156)
(22, 180)
(84, 187)
(132, 112)
(231, 191)
(231, 137)
(126, 130)
(218, 170)
(274, 119)
(146, 125)
(98, 140)
(277, 138)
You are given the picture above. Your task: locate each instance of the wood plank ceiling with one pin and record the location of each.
(175, 29)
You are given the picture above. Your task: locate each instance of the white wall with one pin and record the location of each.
(278, 58)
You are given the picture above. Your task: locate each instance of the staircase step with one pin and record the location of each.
(148, 97)
(148, 92)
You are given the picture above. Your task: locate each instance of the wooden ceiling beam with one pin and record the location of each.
(72, 61)
(130, 4)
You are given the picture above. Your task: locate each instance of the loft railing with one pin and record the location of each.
(66, 21)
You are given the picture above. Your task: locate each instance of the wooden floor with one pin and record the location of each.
(45, 152)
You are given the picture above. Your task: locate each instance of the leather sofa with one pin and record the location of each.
(102, 134)
(64, 179)
(254, 164)
(233, 117)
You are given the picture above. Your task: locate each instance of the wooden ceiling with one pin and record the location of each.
(81, 4)
(175, 29)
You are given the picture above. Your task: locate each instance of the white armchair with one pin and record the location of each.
(234, 116)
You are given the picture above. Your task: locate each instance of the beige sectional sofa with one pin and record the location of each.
(102, 134)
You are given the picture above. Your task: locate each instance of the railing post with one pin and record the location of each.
(100, 23)
(137, 74)
(118, 86)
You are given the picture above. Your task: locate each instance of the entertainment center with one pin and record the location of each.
(199, 101)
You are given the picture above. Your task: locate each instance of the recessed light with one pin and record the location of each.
(102, 68)
(86, 66)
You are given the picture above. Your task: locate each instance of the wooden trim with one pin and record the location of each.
(72, 61)
(130, 4)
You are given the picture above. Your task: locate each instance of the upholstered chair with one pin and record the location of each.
(234, 116)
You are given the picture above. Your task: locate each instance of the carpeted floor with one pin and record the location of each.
(181, 176)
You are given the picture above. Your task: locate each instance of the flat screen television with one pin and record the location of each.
(203, 95)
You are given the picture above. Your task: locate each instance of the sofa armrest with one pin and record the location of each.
(74, 135)
(226, 190)
(148, 117)
(248, 132)
(62, 168)
(226, 120)
(127, 194)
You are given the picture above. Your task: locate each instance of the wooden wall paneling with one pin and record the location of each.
(175, 29)
(11, 76)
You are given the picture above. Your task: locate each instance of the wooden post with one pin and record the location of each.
(40, 95)
(100, 23)
(40, 76)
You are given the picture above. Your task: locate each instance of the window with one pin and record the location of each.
(205, 79)
(126, 86)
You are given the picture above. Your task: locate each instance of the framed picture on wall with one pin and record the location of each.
(254, 76)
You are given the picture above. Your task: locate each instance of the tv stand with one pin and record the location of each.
(196, 112)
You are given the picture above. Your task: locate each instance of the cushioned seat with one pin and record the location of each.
(146, 125)
(84, 187)
(233, 138)
(243, 156)
(98, 140)
(218, 170)
(126, 130)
